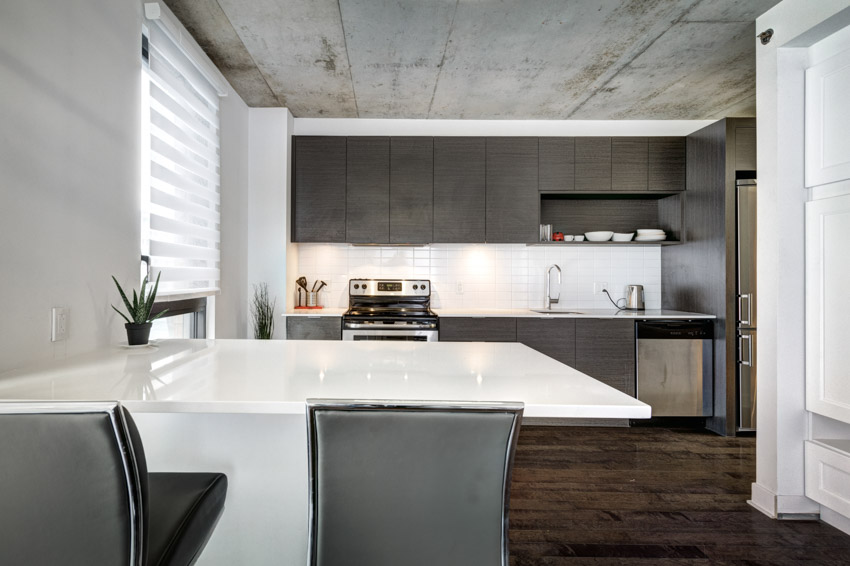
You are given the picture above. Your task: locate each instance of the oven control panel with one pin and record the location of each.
(389, 287)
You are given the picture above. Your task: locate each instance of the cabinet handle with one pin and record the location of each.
(749, 360)
(749, 316)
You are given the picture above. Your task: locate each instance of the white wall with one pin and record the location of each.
(367, 127)
(268, 219)
(70, 174)
(231, 306)
(782, 419)
(500, 276)
(69, 171)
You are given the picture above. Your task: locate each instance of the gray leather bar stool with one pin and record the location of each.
(413, 483)
(75, 490)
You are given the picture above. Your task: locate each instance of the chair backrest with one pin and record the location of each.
(70, 486)
(413, 483)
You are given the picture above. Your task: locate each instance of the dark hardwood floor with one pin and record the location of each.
(650, 496)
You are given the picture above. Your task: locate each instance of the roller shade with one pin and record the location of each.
(181, 192)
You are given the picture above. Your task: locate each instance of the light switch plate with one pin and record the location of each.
(59, 324)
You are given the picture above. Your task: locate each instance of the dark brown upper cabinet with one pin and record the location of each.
(629, 164)
(513, 201)
(745, 149)
(667, 164)
(318, 192)
(367, 195)
(459, 190)
(593, 164)
(411, 190)
(557, 164)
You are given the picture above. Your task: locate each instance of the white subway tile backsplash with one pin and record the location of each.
(492, 276)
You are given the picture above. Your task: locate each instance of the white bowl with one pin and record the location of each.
(598, 236)
(651, 238)
(652, 232)
(623, 237)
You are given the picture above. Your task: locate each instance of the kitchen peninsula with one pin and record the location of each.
(237, 406)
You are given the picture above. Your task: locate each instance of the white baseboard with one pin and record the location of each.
(776, 506)
(835, 519)
(796, 505)
(764, 500)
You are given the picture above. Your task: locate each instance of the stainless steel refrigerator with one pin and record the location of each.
(746, 291)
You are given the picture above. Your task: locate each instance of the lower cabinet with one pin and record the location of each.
(478, 329)
(313, 328)
(555, 337)
(605, 350)
(602, 348)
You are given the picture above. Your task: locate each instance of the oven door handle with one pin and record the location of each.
(383, 326)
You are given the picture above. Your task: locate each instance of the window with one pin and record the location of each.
(181, 202)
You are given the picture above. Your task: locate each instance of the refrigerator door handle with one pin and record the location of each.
(749, 360)
(749, 298)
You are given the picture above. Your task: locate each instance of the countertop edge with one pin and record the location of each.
(659, 314)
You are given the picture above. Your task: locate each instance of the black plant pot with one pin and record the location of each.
(138, 334)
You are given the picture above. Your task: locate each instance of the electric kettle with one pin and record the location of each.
(634, 298)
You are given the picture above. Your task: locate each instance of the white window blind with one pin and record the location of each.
(180, 171)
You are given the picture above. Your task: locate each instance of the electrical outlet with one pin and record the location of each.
(460, 287)
(599, 287)
(59, 324)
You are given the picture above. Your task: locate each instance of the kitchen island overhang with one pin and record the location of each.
(239, 407)
(276, 377)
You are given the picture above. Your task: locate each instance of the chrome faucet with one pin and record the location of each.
(548, 300)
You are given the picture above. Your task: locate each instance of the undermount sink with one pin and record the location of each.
(555, 311)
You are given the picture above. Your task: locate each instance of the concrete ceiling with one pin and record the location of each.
(485, 59)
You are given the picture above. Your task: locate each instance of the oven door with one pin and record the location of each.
(389, 332)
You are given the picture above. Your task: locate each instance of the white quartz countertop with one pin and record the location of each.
(315, 312)
(256, 376)
(650, 314)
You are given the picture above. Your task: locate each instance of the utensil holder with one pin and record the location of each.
(312, 298)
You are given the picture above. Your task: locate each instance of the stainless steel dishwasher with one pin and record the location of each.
(675, 368)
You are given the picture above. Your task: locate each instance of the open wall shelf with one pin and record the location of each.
(573, 213)
(609, 243)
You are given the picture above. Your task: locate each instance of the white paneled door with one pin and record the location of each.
(828, 307)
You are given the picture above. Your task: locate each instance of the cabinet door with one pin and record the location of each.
(745, 149)
(474, 329)
(367, 194)
(593, 164)
(666, 164)
(513, 201)
(555, 337)
(827, 307)
(629, 164)
(411, 190)
(318, 189)
(605, 350)
(459, 190)
(557, 162)
(313, 328)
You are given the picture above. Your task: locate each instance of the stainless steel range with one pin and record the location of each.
(389, 309)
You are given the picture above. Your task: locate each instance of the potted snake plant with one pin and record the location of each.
(140, 321)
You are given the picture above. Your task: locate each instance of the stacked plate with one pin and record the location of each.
(652, 235)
